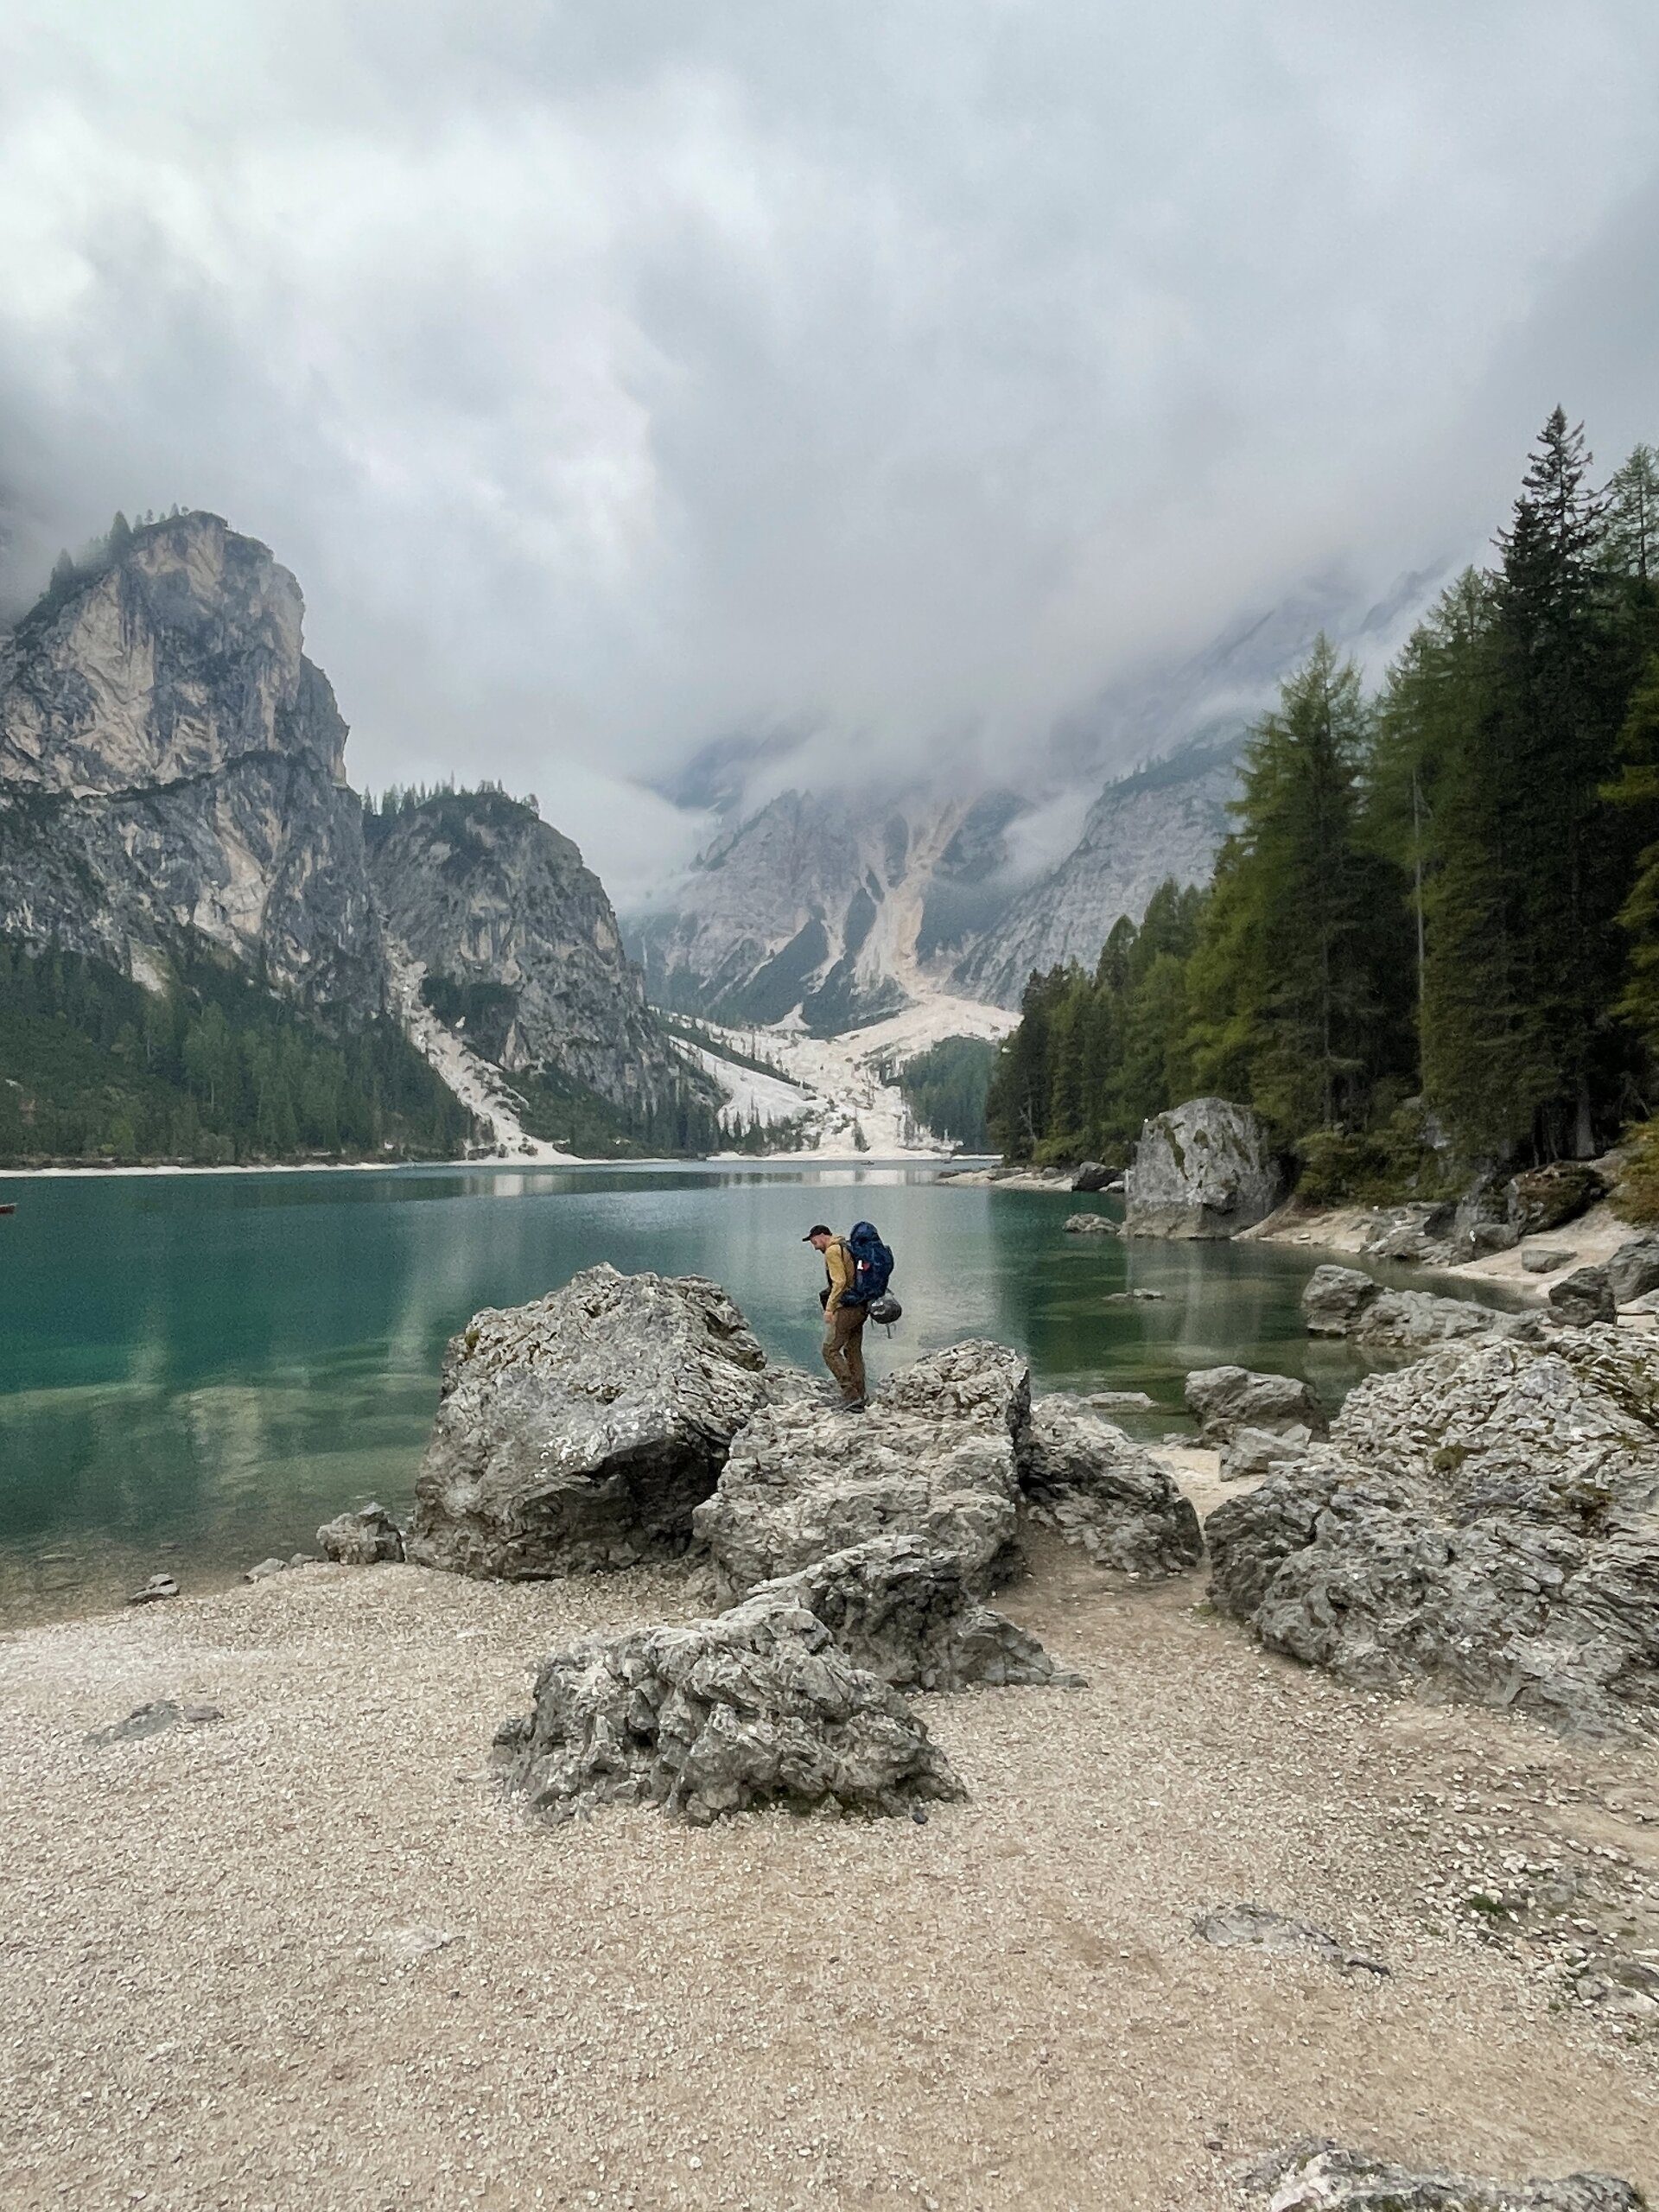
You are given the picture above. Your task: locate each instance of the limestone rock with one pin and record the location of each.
(1253, 1927)
(1091, 1225)
(171, 770)
(1419, 1232)
(1085, 1480)
(1315, 2177)
(1254, 1452)
(1634, 1269)
(158, 1587)
(1345, 1302)
(1583, 1297)
(578, 1432)
(1092, 1175)
(757, 1708)
(366, 1537)
(265, 1569)
(1482, 1524)
(1227, 1399)
(1204, 1169)
(1333, 1299)
(933, 1458)
(1122, 1401)
(1546, 1260)
(901, 1609)
(153, 1719)
(504, 921)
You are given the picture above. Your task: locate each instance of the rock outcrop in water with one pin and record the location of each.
(1225, 1401)
(1482, 1525)
(761, 1707)
(580, 1432)
(1204, 1169)
(1346, 1302)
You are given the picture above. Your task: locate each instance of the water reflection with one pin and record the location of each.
(214, 1364)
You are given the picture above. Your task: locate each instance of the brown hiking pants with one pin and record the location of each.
(844, 1350)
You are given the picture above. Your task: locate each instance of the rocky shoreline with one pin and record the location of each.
(1344, 1873)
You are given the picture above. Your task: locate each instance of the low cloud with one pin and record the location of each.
(615, 379)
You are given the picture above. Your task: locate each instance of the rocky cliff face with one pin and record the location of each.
(519, 944)
(172, 771)
(173, 766)
(1167, 820)
(811, 902)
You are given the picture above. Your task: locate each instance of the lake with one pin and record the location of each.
(196, 1369)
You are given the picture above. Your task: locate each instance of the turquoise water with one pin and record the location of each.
(195, 1371)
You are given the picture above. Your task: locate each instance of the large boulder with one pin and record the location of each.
(1253, 1452)
(1225, 1400)
(1204, 1169)
(1094, 1175)
(1086, 1480)
(1548, 1197)
(1482, 1524)
(1345, 1302)
(1634, 1269)
(902, 1608)
(580, 1432)
(935, 1457)
(1582, 1298)
(758, 1707)
(1318, 2176)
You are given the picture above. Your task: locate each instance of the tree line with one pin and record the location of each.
(213, 1071)
(1430, 942)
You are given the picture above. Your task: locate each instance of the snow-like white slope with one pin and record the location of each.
(849, 1110)
(479, 1085)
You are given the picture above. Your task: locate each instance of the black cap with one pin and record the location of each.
(818, 1229)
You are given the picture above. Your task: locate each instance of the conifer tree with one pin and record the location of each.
(1289, 976)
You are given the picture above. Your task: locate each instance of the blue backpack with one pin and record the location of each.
(872, 1264)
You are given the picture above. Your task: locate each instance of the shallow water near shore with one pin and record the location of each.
(194, 1372)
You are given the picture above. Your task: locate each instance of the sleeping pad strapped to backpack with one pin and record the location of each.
(872, 1264)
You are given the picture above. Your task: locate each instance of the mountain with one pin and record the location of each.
(815, 902)
(517, 947)
(850, 907)
(175, 824)
(1166, 819)
(172, 772)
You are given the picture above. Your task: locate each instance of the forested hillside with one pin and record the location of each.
(1431, 943)
(213, 1071)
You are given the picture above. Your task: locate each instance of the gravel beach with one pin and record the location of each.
(305, 1956)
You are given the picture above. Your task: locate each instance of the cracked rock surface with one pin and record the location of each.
(580, 1432)
(760, 1706)
(1314, 2176)
(1482, 1524)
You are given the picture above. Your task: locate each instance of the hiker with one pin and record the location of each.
(843, 1316)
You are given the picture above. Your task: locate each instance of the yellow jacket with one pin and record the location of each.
(838, 1266)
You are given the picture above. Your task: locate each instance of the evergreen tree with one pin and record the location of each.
(1631, 545)
(1290, 985)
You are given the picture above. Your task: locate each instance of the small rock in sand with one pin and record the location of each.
(153, 1719)
(1544, 1261)
(1252, 1927)
(157, 1588)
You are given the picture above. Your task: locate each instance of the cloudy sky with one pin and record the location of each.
(618, 376)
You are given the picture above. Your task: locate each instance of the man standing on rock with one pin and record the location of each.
(843, 1317)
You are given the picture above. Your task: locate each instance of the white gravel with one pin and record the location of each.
(306, 1957)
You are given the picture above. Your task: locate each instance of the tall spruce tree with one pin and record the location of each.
(1292, 996)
